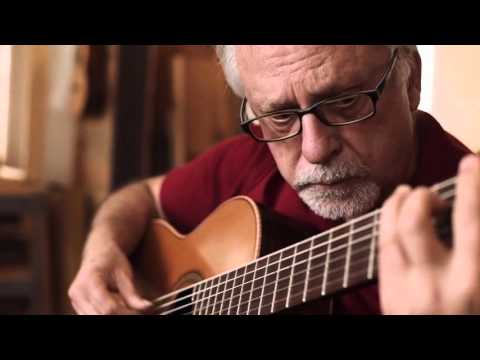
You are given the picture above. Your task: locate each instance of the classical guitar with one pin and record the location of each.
(219, 268)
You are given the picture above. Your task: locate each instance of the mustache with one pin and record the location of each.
(332, 173)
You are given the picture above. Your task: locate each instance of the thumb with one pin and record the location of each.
(130, 294)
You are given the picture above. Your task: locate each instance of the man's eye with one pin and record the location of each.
(283, 118)
(345, 103)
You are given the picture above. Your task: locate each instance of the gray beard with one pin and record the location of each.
(342, 203)
(339, 201)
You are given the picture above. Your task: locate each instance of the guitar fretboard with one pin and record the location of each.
(320, 266)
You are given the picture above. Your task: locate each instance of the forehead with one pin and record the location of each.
(278, 71)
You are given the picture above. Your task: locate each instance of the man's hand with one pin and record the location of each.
(104, 283)
(104, 286)
(417, 273)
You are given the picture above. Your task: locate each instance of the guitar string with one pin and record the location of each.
(310, 290)
(281, 260)
(335, 280)
(288, 267)
(439, 187)
(311, 239)
(313, 278)
(202, 291)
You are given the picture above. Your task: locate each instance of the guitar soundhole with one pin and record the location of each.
(183, 303)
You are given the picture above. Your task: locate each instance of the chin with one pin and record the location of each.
(342, 204)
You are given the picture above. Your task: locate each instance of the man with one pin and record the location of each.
(334, 131)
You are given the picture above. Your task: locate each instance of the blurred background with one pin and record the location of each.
(78, 122)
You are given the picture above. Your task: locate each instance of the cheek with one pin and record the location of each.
(287, 156)
(385, 144)
(395, 131)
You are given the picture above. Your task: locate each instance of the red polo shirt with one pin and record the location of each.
(242, 166)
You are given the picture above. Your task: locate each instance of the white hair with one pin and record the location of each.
(226, 56)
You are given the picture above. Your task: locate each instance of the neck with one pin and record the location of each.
(408, 176)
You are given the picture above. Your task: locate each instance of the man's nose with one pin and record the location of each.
(319, 141)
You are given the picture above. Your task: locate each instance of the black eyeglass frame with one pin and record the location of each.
(374, 95)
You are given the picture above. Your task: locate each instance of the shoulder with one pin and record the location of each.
(241, 147)
(238, 155)
(229, 168)
(233, 167)
(439, 151)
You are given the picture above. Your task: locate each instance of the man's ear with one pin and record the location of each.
(414, 80)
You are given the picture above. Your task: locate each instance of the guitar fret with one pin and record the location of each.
(242, 304)
(373, 247)
(263, 286)
(270, 282)
(197, 298)
(334, 260)
(307, 276)
(219, 295)
(237, 290)
(325, 273)
(283, 279)
(205, 298)
(259, 278)
(276, 283)
(317, 266)
(347, 258)
(252, 288)
(291, 278)
(194, 298)
(224, 293)
(215, 295)
(211, 297)
(299, 277)
(358, 267)
(247, 288)
(232, 292)
(208, 293)
(240, 294)
(361, 246)
(200, 298)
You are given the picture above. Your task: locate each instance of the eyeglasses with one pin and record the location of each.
(338, 111)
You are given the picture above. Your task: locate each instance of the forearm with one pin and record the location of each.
(121, 221)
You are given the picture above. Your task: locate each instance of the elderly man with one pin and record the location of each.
(332, 133)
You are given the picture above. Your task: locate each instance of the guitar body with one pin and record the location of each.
(236, 233)
(228, 238)
(244, 259)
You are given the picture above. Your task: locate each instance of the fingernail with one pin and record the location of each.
(469, 163)
(403, 189)
(145, 303)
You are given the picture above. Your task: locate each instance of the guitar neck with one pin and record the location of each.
(320, 266)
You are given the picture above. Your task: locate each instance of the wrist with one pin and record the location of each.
(102, 242)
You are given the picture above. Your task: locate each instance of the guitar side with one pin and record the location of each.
(229, 238)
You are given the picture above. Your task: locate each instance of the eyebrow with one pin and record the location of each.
(332, 93)
(277, 106)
